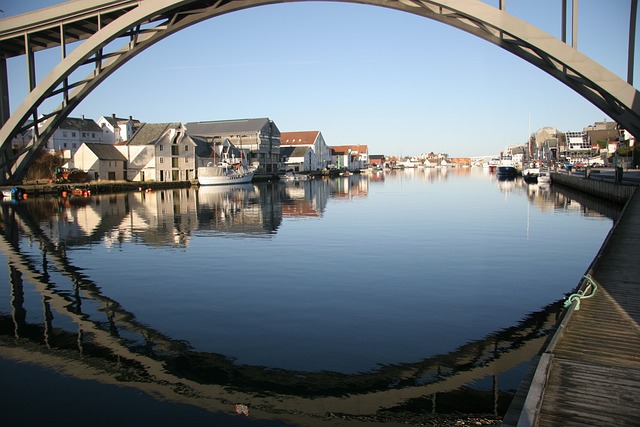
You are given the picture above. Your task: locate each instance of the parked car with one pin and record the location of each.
(596, 163)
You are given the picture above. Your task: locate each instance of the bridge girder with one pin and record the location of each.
(146, 22)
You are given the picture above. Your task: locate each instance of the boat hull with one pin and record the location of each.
(507, 171)
(211, 176)
(226, 180)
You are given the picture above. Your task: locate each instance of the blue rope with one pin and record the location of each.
(591, 287)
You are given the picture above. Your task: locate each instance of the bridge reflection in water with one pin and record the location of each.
(105, 342)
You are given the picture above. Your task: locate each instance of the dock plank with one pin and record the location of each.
(591, 395)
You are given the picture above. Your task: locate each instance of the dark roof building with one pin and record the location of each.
(259, 139)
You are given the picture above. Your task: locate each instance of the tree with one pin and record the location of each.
(44, 166)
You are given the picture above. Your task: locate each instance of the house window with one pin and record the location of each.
(93, 134)
(84, 134)
(186, 160)
(160, 147)
(73, 134)
(64, 134)
(161, 160)
(186, 148)
(73, 145)
(64, 145)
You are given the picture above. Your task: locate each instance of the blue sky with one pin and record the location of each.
(400, 83)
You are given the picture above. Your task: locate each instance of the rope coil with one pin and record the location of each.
(583, 294)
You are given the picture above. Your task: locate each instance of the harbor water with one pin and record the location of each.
(374, 298)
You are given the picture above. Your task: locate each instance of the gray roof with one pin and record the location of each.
(150, 133)
(203, 148)
(228, 127)
(294, 151)
(105, 151)
(86, 125)
(113, 121)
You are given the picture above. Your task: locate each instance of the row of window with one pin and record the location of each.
(73, 134)
(174, 161)
(51, 146)
(174, 149)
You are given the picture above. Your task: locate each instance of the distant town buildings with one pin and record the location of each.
(600, 140)
(115, 148)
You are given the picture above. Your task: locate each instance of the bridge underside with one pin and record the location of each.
(137, 25)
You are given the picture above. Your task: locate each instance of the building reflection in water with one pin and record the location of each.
(105, 342)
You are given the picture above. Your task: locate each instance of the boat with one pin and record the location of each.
(291, 176)
(13, 194)
(492, 164)
(76, 192)
(224, 173)
(531, 172)
(231, 169)
(71, 175)
(544, 177)
(506, 169)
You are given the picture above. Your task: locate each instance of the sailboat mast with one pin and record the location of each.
(529, 138)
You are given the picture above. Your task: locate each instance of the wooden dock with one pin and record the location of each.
(589, 371)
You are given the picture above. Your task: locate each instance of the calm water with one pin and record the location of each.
(422, 292)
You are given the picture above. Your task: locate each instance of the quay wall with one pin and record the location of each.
(99, 187)
(107, 187)
(614, 192)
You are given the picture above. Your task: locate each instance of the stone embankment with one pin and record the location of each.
(616, 192)
(96, 187)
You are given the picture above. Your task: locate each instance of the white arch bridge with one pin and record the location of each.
(134, 25)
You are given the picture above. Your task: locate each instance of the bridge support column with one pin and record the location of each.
(632, 40)
(5, 113)
(574, 24)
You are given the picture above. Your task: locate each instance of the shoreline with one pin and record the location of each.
(48, 188)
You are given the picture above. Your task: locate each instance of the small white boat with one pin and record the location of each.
(290, 176)
(531, 172)
(492, 165)
(224, 173)
(544, 177)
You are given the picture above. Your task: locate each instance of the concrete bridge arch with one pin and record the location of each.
(139, 24)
